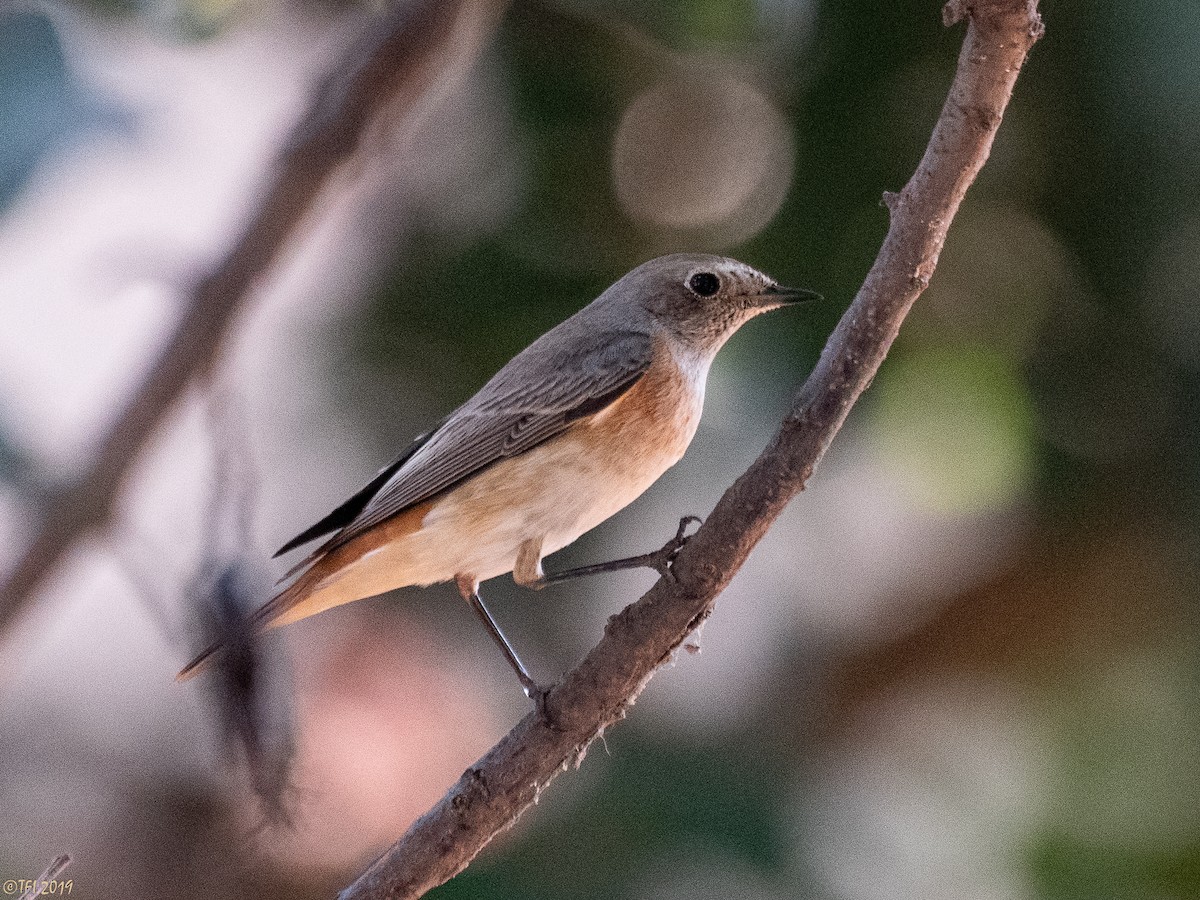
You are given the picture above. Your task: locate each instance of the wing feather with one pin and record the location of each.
(511, 415)
(349, 511)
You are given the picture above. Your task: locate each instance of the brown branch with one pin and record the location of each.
(493, 792)
(405, 57)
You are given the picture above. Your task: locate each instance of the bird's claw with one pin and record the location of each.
(539, 694)
(681, 535)
(663, 560)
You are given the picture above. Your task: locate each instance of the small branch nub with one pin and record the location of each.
(955, 11)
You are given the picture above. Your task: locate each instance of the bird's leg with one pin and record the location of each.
(527, 572)
(660, 560)
(469, 588)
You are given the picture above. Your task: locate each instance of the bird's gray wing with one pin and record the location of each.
(532, 399)
(350, 510)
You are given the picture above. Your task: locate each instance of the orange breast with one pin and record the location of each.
(657, 416)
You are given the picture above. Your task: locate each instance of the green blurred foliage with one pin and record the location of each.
(958, 427)
(1123, 817)
(1067, 868)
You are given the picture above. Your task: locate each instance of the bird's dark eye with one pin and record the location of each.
(704, 283)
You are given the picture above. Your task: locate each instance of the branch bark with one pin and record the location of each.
(491, 794)
(399, 66)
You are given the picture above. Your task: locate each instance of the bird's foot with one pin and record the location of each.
(540, 694)
(663, 559)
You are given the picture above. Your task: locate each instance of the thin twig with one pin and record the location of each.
(404, 61)
(493, 793)
(44, 880)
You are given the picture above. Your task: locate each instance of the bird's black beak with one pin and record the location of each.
(778, 295)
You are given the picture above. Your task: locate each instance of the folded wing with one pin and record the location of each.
(531, 400)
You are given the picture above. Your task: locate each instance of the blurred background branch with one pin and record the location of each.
(404, 61)
(493, 793)
(43, 883)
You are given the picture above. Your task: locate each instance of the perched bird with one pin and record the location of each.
(571, 430)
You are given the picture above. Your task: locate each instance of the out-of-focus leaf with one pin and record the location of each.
(956, 424)
(42, 107)
(37, 99)
(1069, 869)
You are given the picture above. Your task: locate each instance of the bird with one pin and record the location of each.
(570, 431)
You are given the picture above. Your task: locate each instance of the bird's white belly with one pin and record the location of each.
(553, 493)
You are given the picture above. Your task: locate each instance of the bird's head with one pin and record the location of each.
(701, 300)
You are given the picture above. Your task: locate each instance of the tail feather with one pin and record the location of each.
(197, 665)
(326, 561)
(303, 564)
(263, 617)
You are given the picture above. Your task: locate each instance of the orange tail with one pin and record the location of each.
(321, 565)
